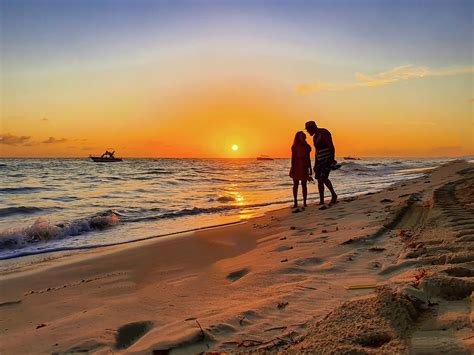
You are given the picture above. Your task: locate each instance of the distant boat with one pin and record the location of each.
(264, 157)
(105, 158)
(351, 158)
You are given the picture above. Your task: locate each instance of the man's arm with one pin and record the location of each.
(328, 140)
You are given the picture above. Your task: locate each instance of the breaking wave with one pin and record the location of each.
(43, 230)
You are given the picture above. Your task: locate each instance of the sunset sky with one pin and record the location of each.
(193, 78)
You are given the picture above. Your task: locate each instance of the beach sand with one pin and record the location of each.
(389, 272)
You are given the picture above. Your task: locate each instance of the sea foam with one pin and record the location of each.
(43, 230)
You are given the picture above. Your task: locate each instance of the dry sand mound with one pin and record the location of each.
(373, 325)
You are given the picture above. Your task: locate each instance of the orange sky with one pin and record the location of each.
(250, 80)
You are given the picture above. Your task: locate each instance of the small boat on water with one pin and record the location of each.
(351, 158)
(105, 158)
(264, 157)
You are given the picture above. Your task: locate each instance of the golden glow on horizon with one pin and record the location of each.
(197, 118)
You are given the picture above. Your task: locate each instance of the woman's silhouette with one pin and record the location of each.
(300, 166)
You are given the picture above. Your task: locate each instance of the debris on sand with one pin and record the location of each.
(377, 249)
(405, 235)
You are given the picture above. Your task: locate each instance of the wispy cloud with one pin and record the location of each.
(400, 73)
(10, 139)
(52, 140)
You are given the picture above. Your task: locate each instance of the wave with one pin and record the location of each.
(225, 199)
(9, 211)
(185, 212)
(19, 190)
(43, 230)
(221, 209)
(157, 172)
(353, 166)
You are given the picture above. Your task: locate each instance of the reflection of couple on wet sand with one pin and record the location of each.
(301, 162)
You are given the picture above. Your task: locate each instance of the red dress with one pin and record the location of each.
(300, 161)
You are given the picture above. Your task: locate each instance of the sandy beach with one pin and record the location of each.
(387, 272)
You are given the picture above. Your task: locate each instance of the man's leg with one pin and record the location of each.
(328, 183)
(295, 192)
(304, 186)
(321, 189)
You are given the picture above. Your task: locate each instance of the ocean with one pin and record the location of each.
(66, 204)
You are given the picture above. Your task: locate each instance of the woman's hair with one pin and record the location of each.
(296, 141)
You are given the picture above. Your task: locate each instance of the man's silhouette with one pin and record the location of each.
(325, 153)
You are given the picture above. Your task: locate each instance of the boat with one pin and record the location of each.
(264, 157)
(351, 158)
(107, 157)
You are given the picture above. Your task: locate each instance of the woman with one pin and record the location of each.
(300, 166)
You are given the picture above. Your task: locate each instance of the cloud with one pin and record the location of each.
(52, 140)
(10, 139)
(400, 73)
(44, 119)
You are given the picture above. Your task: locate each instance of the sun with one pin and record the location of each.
(235, 147)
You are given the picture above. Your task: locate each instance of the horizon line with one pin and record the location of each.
(253, 157)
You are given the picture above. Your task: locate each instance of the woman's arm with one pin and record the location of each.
(292, 163)
(308, 159)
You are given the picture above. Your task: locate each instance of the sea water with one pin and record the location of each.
(66, 204)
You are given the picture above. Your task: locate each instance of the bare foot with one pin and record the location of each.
(323, 207)
(333, 200)
(295, 206)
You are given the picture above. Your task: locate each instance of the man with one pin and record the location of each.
(325, 153)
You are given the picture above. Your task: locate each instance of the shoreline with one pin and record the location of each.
(89, 247)
(258, 213)
(268, 277)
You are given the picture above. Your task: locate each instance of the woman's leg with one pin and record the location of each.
(304, 186)
(295, 192)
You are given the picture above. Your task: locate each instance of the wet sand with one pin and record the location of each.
(386, 272)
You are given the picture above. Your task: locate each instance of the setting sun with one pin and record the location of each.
(240, 129)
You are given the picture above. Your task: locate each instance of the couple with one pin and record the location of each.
(301, 162)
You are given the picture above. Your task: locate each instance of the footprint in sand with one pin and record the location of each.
(10, 303)
(466, 238)
(459, 271)
(283, 248)
(88, 346)
(236, 275)
(128, 334)
(308, 261)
